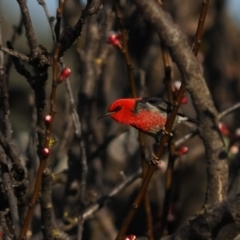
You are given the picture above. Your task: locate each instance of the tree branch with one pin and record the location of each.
(195, 83)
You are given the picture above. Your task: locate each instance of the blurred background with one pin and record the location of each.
(99, 76)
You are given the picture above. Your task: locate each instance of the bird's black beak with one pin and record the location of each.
(105, 115)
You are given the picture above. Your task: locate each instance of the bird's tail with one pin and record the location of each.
(182, 117)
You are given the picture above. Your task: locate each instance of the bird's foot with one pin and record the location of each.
(165, 132)
(154, 159)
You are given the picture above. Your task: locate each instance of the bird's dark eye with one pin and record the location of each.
(116, 109)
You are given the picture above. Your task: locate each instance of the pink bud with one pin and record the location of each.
(114, 39)
(130, 237)
(45, 152)
(234, 149)
(223, 128)
(48, 120)
(184, 100)
(183, 150)
(176, 86)
(65, 73)
(237, 132)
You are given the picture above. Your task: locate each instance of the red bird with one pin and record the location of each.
(148, 115)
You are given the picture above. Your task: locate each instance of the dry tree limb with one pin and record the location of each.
(9, 191)
(83, 157)
(168, 72)
(39, 59)
(37, 83)
(45, 174)
(172, 155)
(219, 222)
(95, 53)
(7, 127)
(12, 152)
(32, 39)
(94, 207)
(207, 114)
(17, 31)
(6, 233)
(50, 18)
(46, 181)
(15, 53)
(189, 68)
(131, 78)
(8, 147)
(70, 35)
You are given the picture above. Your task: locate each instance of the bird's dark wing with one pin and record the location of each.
(162, 105)
(159, 103)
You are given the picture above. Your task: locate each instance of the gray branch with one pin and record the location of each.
(189, 67)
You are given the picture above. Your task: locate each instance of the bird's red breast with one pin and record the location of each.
(126, 111)
(148, 115)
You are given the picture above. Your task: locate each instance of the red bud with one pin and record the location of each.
(130, 237)
(114, 39)
(183, 150)
(223, 128)
(45, 152)
(65, 73)
(48, 120)
(184, 100)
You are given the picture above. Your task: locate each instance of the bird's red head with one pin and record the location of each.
(122, 110)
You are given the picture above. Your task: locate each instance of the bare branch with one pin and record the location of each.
(70, 35)
(6, 233)
(205, 224)
(51, 19)
(15, 54)
(12, 200)
(32, 39)
(207, 114)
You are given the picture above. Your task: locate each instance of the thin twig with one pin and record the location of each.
(59, 19)
(12, 200)
(172, 156)
(171, 148)
(31, 152)
(32, 39)
(17, 31)
(1, 53)
(222, 114)
(6, 233)
(7, 127)
(44, 157)
(167, 71)
(126, 182)
(67, 127)
(70, 35)
(84, 166)
(50, 18)
(125, 51)
(15, 54)
(12, 153)
(198, 36)
(5, 142)
(228, 110)
(46, 181)
(145, 7)
(93, 208)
